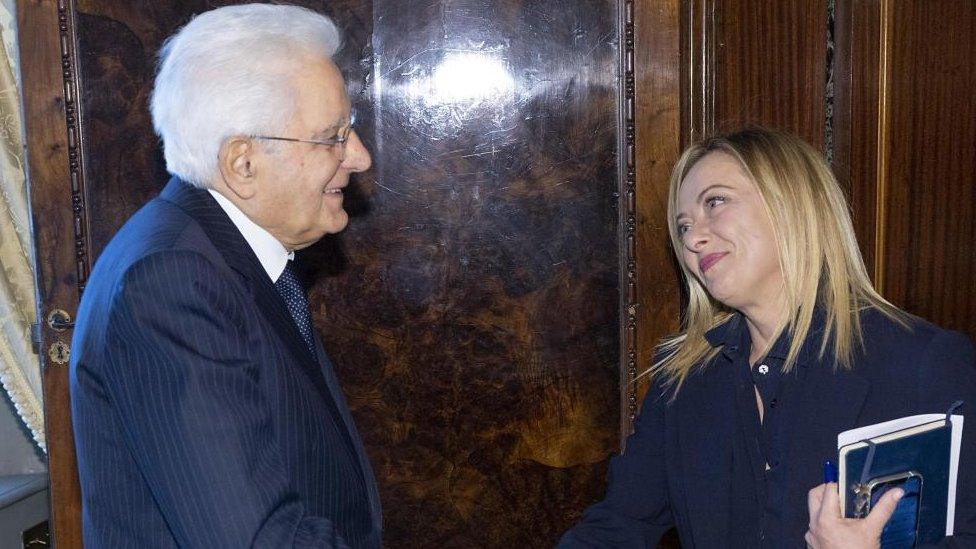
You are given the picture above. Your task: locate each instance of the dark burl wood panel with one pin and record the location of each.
(471, 307)
(474, 317)
(770, 65)
(117, 43)
(930, 234)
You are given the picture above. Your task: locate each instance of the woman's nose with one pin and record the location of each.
(696, 237)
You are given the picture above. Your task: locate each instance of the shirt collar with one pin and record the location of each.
(728, 333)
(271, 253)
(733, 336)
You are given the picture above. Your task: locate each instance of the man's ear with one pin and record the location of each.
(236, 167)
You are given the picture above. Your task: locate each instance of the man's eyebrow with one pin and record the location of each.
(332, 130)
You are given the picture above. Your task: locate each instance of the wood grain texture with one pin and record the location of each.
(925, 226)
(658, 81)
(56, 261)
(697, 36)
(930, 230)
(857, 78)
(770, 65)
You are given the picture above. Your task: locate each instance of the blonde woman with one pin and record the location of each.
(785, 344)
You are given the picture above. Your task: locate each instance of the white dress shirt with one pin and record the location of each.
(271, 253)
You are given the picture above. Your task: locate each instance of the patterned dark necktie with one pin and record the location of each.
(297, 302)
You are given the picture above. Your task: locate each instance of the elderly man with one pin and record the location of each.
(205, 410)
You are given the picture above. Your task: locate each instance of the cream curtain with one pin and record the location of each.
(19, 369)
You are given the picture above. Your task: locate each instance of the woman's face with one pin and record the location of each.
(727, 238)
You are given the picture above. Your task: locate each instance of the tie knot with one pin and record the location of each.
(290, 274)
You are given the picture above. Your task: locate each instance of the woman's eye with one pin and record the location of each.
(683, 228)
(713, 201)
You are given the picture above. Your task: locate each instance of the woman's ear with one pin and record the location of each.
(236, 167)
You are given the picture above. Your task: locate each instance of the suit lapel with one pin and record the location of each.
(705, 412)
(822, 400)
(227, 239)
(238, 254)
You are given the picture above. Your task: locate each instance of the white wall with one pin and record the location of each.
(18, 453)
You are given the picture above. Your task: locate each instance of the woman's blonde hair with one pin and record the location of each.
(821, 264)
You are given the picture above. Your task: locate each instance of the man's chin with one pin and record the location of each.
(340, 223)
(336, 224)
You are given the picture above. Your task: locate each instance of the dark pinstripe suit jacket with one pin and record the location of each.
(201, 419)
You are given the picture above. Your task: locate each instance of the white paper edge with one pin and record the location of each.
(953, 472)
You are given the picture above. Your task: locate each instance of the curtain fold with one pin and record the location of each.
(19, 367)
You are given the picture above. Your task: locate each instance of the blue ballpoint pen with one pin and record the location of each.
(829, 472)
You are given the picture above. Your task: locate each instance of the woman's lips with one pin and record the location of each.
(709, 260)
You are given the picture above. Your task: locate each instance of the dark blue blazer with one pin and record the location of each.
(675, 470)
(201, 418)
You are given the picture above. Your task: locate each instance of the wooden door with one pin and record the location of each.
(906, 142)
(884, 88)
(506, 272)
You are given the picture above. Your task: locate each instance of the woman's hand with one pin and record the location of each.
(828, 528)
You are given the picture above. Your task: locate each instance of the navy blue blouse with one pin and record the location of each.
(697, 460)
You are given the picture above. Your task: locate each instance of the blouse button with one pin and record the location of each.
(763, 369)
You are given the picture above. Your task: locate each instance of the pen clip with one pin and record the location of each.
(952, 409)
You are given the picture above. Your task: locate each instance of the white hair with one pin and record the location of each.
(228, 72)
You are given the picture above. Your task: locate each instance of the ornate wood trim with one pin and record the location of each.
(653, 75)
(698, 82)
(884, 87)
(67, 17)
(831, 65)
(628, 223)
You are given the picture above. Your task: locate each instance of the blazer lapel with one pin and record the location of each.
(705, 412)
(826, 402)
(240, 257)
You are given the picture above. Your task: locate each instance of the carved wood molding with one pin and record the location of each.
(698, 93)
(72, 117)
(628, 225)
(828, 144)
(881, 183)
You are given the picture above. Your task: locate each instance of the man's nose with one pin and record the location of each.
(357, 158)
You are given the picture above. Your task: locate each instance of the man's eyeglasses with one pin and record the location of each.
(339, 141)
